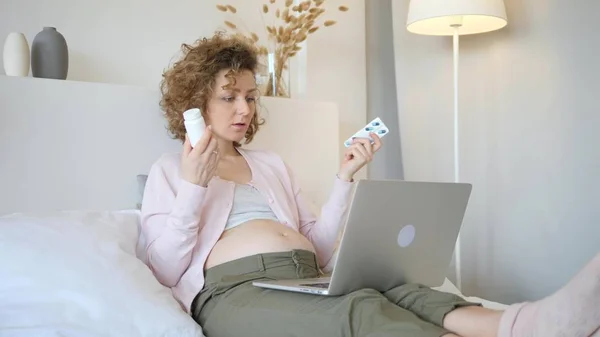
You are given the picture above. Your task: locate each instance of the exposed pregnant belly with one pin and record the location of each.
(256, 237)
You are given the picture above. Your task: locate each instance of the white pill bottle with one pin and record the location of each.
(194, 125)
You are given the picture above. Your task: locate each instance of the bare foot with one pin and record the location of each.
(473, 321)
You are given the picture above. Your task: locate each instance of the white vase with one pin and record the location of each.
(16, 55)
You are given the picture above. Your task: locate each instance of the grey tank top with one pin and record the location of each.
(248, 204)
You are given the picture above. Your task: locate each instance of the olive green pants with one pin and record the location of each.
(230, 306)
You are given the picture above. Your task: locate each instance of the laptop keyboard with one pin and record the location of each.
(316, 285)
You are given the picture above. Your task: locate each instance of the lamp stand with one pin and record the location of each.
(451, 18)
(455, 48)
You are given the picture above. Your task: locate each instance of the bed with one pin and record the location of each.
(72, 156)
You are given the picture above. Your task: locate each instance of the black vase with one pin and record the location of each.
(49, 55)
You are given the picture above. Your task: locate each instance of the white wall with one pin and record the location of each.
(132, 41)
(529, 141)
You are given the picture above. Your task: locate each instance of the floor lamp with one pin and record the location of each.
(454, 18)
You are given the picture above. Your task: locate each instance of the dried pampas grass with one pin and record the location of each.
(289, 27)
(230, 25)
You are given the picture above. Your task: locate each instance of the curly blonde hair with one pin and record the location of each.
(191, 81)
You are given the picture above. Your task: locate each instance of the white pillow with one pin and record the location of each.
(76, 274)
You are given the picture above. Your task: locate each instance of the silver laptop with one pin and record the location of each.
(396, 232)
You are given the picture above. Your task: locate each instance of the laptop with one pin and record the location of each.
(396, 232)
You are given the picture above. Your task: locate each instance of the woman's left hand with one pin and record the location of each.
(358, 155)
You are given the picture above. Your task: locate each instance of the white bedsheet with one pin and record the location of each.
(75, 274)
(449, 287)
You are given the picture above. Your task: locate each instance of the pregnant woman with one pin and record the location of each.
(217, 217)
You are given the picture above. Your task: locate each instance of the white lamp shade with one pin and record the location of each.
(436, 17)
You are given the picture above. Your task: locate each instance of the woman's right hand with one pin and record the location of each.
(199, 164)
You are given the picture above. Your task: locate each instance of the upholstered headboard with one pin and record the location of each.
(78, 145)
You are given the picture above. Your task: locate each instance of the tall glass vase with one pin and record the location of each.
(273, 76)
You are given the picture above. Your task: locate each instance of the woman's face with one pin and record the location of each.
(231, 110)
